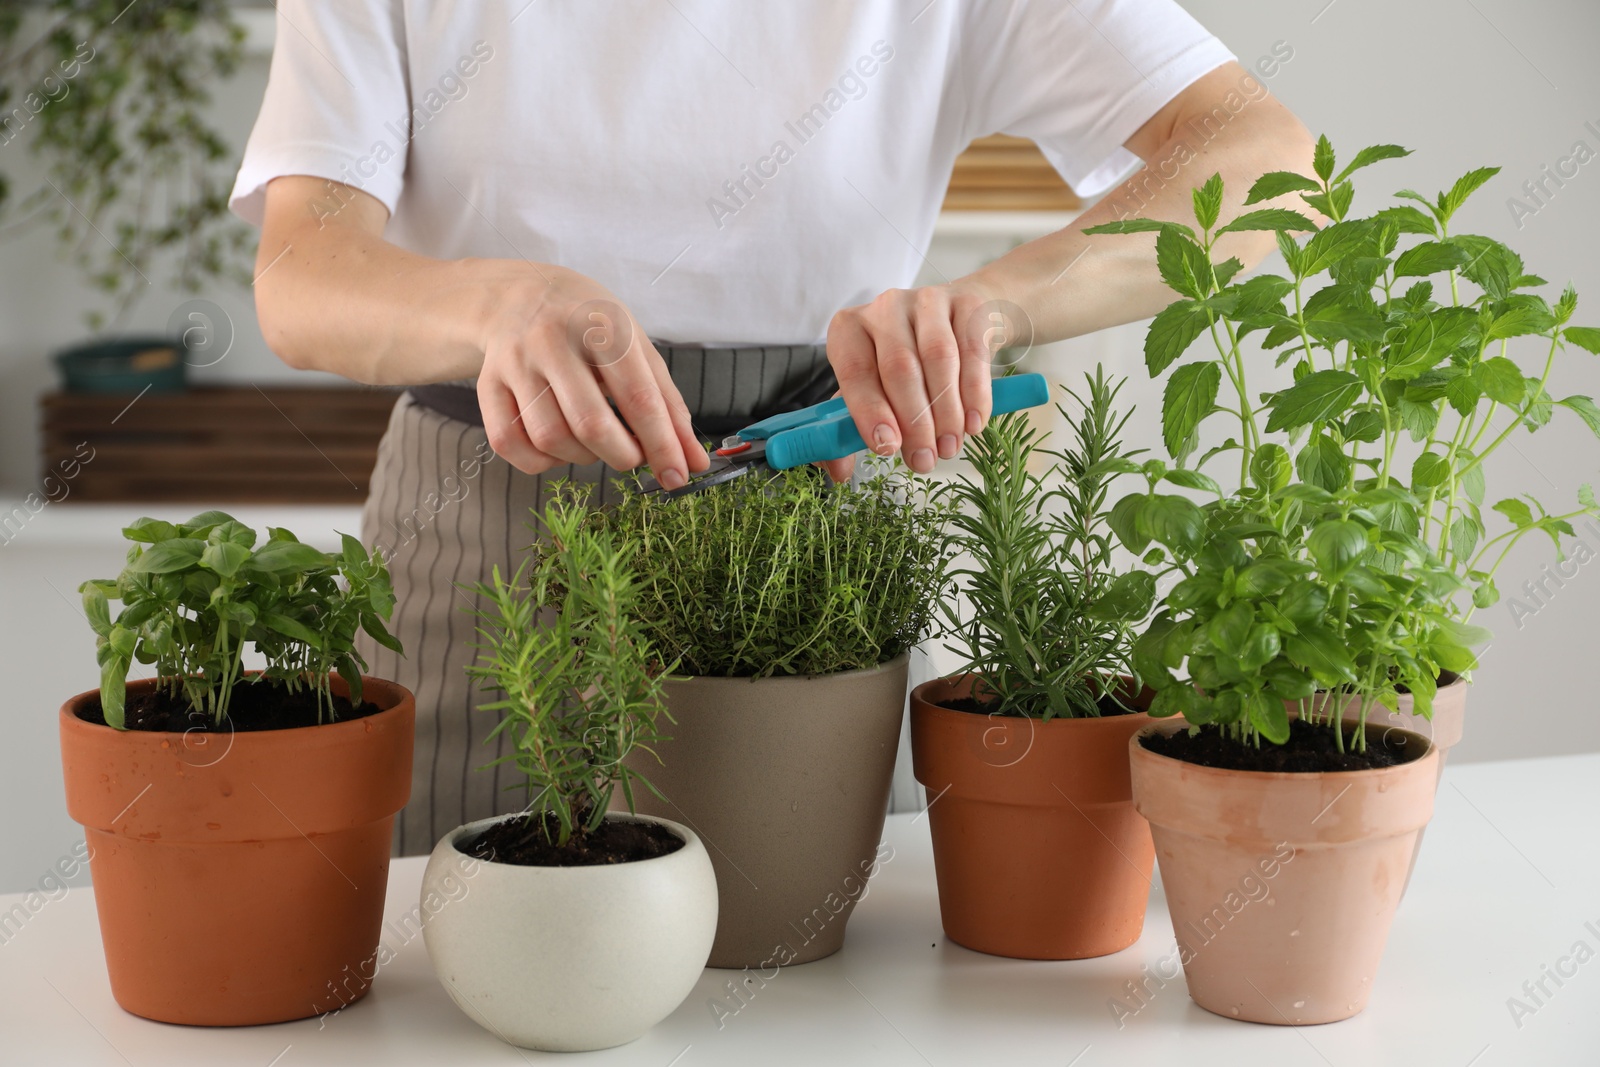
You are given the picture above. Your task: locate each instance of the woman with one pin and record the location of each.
(699, 212)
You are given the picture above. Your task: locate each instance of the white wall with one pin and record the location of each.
(1430, 74)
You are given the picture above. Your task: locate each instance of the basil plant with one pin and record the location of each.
(1350, 557)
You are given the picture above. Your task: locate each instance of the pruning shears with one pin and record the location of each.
(819, 433)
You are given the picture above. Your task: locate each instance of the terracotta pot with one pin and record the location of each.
(1445, 729)
(786, 779)
(1038, 850)
(240, 878)
(569, 959)
(1282, 886)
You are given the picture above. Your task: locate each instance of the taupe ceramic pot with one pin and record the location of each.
(786, 780)
(1281, 886)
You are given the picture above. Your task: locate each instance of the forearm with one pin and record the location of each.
(333, 295)
(1072, 284)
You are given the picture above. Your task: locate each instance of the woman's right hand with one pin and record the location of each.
(556, 345)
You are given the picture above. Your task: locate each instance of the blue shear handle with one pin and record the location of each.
(835, 436)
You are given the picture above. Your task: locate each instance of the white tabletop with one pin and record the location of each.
(1508, 880)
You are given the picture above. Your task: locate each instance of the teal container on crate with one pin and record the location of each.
(126, 365)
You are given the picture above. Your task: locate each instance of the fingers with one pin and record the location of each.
(682, 421)
(854, 357)
(585, 416)
(632, 383)
(941, 366)
(977, 344)
(506, 430)
(900, 370)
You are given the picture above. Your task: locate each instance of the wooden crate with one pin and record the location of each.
(1001, 173)
(219, 445)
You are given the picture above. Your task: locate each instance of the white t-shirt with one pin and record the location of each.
(735, 171)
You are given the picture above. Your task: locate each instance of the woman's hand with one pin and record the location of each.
(914, 368)
(555, 345)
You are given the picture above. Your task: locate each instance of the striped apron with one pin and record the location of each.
(444, 511)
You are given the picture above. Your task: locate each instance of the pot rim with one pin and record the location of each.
(859, 672)
(1136, 751)
(920, 703)
(691, 842)
(389, 690)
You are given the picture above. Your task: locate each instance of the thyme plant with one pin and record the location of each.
(1336, 566)
(579, 692)
(1051, 621)
(793, 576)
(195, 594)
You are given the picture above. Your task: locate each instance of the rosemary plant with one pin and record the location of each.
(1326, 570)
(195, 594)
(792, 576)
(1048, 621)
(578, 691)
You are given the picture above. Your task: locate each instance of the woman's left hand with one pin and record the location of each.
(914, 368)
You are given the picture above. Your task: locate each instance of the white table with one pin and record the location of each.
(1508, 878)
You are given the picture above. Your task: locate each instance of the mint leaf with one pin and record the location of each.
(1208, 202)
(1529, 315)
(1322, 159)
(1190, 396)
(1374, 154)
(1276, 183)
(1183, 264)
(1344, 313)
(1272, 218)
(1566, 305)
(1429, 257)
(1585, 337)
(1172, 332)
(1419, 419)
(1333, 244)
(1137, 226)
(1492, 266)
(1409, 220)
(1586, 411)
(1500, 379)
(1464, 187)
(1315, 397)
(1515, 510)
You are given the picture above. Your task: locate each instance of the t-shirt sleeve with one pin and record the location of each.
(1080, 77)
(337, 103)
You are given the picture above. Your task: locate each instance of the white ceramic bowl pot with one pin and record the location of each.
(569, 959)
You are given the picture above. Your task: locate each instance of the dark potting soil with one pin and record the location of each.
(1308, 750)
(1107, 705)
(523, 842)
(254, 706)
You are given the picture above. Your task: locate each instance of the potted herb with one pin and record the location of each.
(789, 608)
(111, 102)
(239, 822)
(1329, 584)
(1037, 847)
(583, 927)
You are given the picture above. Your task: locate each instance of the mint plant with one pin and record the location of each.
(195, 594)
(1337, 566)
(1049, 621)
(579, 692)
